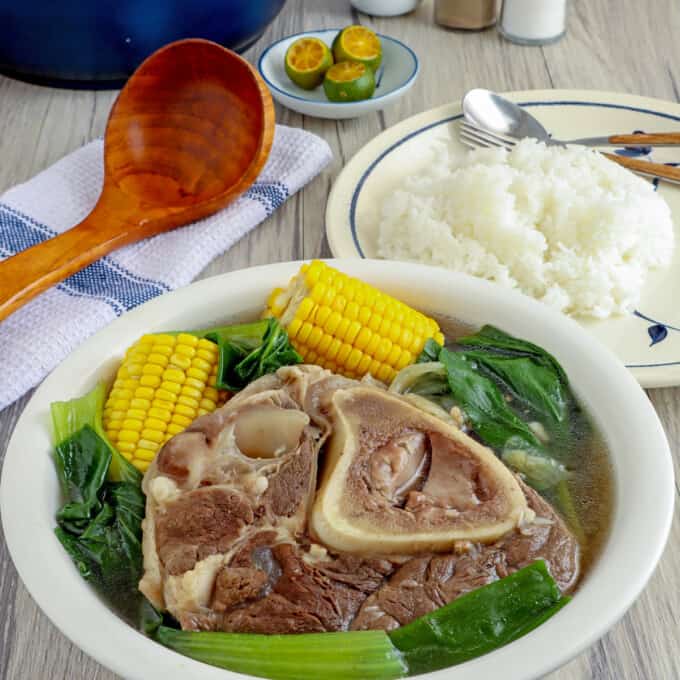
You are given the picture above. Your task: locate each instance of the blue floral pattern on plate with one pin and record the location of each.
(657, 331)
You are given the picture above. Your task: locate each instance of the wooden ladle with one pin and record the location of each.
(188, 133)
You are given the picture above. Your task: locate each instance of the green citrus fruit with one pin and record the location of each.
(307, 61)
(358, 43)
(349, 81)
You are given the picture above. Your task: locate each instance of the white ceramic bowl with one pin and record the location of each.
(396, 76)
(640, 456)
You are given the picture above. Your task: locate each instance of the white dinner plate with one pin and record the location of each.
(394, 79)
(647, 341)
(640, 457)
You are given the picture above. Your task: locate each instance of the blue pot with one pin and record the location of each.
(99, 43)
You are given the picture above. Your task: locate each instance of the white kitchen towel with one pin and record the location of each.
(38, 336)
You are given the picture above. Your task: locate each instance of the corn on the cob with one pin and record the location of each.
(163, 384)
(347, 326)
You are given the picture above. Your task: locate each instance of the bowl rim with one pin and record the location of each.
(285, 93)
(605, 595)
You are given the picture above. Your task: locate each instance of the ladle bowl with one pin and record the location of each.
(188, 134)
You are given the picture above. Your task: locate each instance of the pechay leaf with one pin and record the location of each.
(535, 385)
(82, 463)
(484, 404)
(479, 621)
(100, 525)
(69, 417)
(249, 351)
(430, 352)
(492, 338)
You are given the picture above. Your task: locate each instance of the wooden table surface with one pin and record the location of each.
(623, 45)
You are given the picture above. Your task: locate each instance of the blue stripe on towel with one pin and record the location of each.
(271, 195)
(103, 280)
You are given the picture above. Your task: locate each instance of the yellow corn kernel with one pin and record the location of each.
(151, 435)
(128, 436)
(142, 465)
(157, 359)
(180, 361)
(148, 444)
(343, 353)
(294, 328)
(171, 386)
(352, 332)
(152, 423)
(353, 359)
(165, 395)
(404, 360)
(143, 456)
(363, 365)
(144, 393)
(198, 373)
(186, 340)
(383, 349)
(160, 413)
(314, 337)
(393, 356)
(140, 404)
(163, 404)
(150, 381)
(191, 391)
(184, 410)
(202, 364)
(211, 393)
(206, 405)
(332, 323)
(374, 368)
(363, 338)
(324, 344)
(187, 401)
(132, 424)
(304, 332)
(343, 327)
(180, 420)
(152, 369)
(126, 446)
(173, 375)
(333, 349)
(385, 373)
(163, 339)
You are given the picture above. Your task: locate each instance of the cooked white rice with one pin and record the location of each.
(565, 226)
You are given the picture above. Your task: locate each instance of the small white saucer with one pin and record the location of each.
(395, 77)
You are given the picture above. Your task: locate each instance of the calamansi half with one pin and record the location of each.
(307, 61)
(358, 43)
(349, 81)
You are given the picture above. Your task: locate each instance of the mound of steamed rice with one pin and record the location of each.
(565, 226)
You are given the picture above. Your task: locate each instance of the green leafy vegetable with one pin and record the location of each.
(249, 351)
(100, 523)
(82, 463)
(529, 373)
(484, 404)
(368, 655)
(69, 417)
(478, 381)
(480, 621)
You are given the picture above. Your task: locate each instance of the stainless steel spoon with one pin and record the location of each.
(508, 122)
(494, 113)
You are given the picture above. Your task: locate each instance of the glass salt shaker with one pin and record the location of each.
(466, 14)
(533, 22)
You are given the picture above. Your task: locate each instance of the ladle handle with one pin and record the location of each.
(34, 270)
